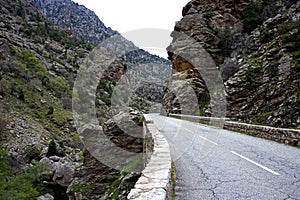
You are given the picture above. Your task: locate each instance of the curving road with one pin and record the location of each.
(219, 164)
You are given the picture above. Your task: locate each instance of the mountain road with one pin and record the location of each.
(213, 163)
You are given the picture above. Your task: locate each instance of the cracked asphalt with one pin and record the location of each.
(214, 163)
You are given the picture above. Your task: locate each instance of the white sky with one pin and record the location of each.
(129, 15)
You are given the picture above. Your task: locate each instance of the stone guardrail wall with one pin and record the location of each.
(282, 135)
(156, 178)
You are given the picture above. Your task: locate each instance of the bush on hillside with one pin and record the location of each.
(256, 12)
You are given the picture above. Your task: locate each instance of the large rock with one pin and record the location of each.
(46, 197)
(99, 177)
(62, 170)
(64, 173)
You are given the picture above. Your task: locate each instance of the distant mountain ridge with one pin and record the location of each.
(85, 25)
(81, 21)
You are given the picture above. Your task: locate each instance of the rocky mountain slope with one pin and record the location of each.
(38, 63)
(41, 151)
(254, 44)
(85, 25)
(82, 22)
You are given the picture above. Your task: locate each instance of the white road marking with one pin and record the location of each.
(208, 140)
(255, 163)
(204, 138)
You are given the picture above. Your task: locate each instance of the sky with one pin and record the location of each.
(129, 16)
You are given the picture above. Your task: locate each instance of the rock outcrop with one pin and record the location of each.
(97, 179)
(255, 51)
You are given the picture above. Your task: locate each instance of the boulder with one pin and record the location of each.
(46, 197)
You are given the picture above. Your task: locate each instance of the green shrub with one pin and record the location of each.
(50, 110)
(286, 28)
(53, 150)
(250, 73)
(226, 40)
(32, 152)
(12, 184)
(256, 12)
(43, 73)
(21, 95)
(106, 99)
(208, 15)
(61, 84)
(30, 59)
(20, 68)
(35, 173)
(251, 17)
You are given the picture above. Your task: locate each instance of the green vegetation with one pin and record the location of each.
(208, 15)
(113, 190)
(104, 91)
(118, 185)
(286, 29)
(32, 152)
(36, 174)
(141, 120)
(5, 87)
(61, 86)
(174, 177)
(43, 30)
(14, 185)
(250, 73)
(256, 12)
(251, 16)
(135, 165)
(53, 150)
(204, 103)
(226, 40)
(27, 83)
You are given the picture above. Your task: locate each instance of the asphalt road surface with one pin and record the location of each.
(214, 163)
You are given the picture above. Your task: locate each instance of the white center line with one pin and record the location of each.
(204, 138)
(255, 163)
(208, 140)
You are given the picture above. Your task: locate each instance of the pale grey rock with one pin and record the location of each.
(46, 197)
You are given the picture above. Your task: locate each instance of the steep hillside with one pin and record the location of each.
(40, 147)
(255, 47)
(38, 63)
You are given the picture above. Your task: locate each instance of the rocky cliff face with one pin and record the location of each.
(254, 46)
(265, 89)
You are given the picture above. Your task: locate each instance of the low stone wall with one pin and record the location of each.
(155, 181)
(286, 136)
